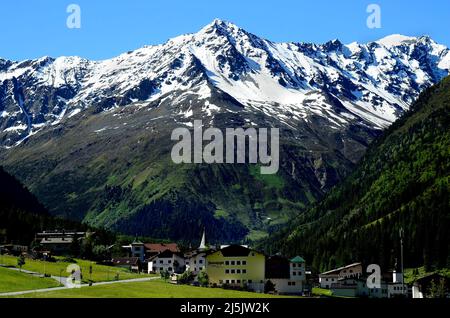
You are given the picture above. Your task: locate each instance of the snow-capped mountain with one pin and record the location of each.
(91, 139)
(371, 83)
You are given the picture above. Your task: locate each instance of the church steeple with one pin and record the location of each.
(203, 241)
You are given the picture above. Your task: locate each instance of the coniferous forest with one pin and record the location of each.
(22, 215)
(401, 183)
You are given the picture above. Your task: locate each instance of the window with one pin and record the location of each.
(244, 271)
(244, 262)
(227, 281)
(169, 261)
(161, 261)
(238, 271)
(232, 281)
(233, 271)
(200, 261)
(294, 273)
(232, 262)
(238, 281)
(227, 271)
(250, 281)
(238, 262)
(227, 263)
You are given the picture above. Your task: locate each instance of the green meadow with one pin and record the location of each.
(100, 273)
(11, 281)
(151, 289)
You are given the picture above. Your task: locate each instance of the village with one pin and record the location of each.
(236, 267)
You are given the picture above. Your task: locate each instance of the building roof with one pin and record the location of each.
(336, 271)
(236, 251)
(161, 247)
(60, 233)
(297, 259)
(165, 254)
(194, 253)
(137, 242)
(277, 267)
(57, 240)
(125, 261)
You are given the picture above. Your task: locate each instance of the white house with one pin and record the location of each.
(390, 287)
(172, 262)
(327, 279)
(195, 261)
(136, 249)
(288, 276)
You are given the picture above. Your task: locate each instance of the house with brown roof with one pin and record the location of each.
(172, 262)
(59, 241)
(327, 279)
(131, 263)
(152, 249)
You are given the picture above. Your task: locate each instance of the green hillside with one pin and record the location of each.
(402, 182)
(21, 214)
(124, 179)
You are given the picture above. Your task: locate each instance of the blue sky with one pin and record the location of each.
(30, 29)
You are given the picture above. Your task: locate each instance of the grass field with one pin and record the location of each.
(322, 292)
(100, 273)
(150, 289)
(11, 281)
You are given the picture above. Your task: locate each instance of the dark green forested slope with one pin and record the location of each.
(403, 181)
(21, 214)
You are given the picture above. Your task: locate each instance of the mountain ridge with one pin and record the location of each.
(402, 182)
(92, 139)
(223, 53)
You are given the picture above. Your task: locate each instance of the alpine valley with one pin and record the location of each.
(91, 139)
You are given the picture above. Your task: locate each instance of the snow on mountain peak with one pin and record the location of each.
(395, 40)
(374, 82)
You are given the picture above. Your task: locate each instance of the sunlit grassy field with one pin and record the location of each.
(100, 273)
(11, 281)
(150, 289)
